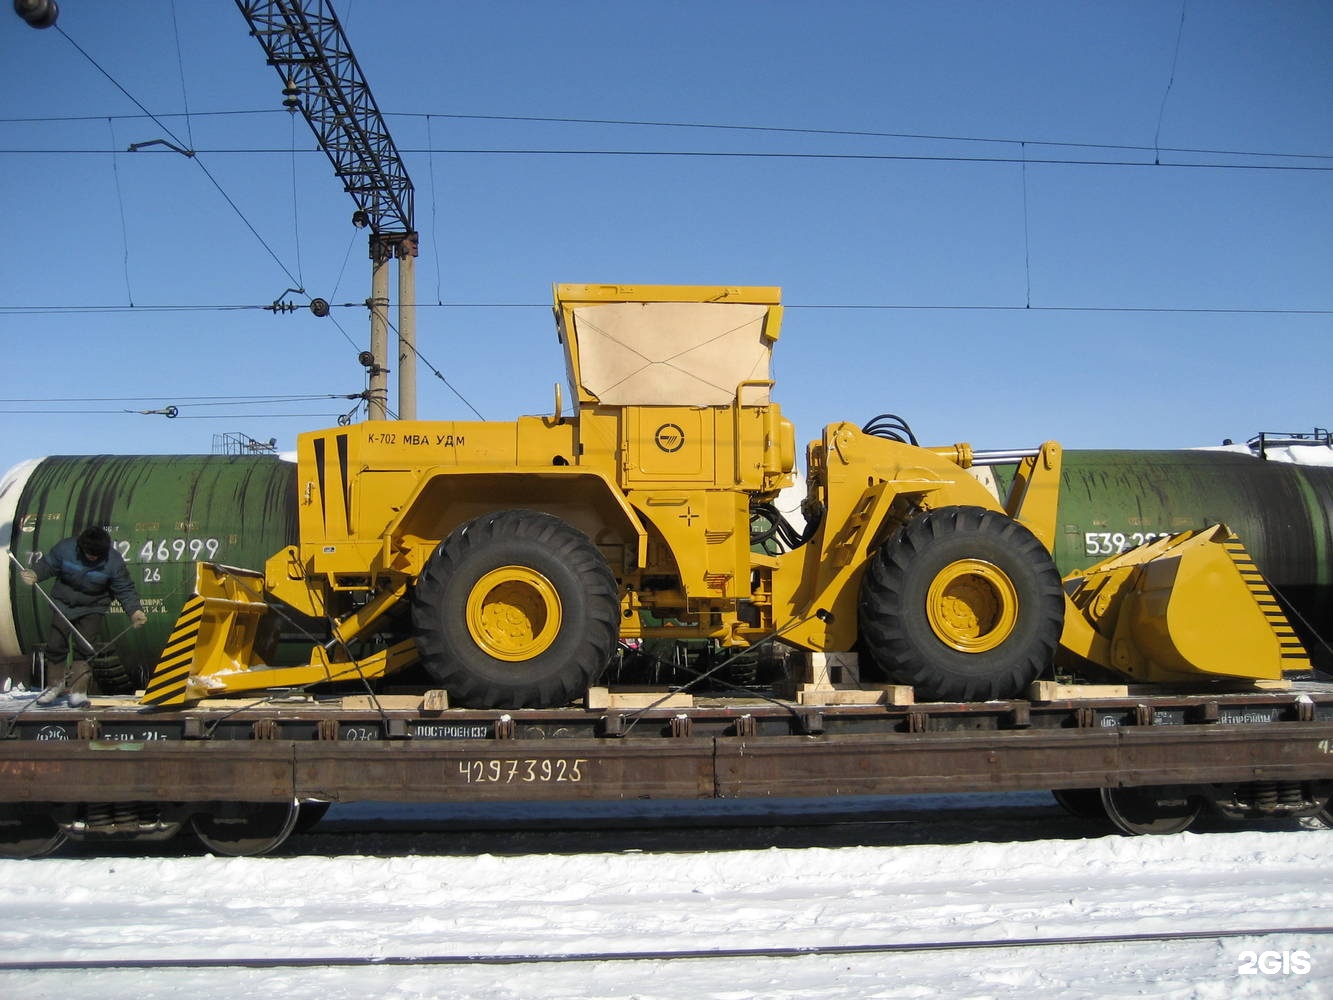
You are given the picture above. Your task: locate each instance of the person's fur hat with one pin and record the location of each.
(95, 543)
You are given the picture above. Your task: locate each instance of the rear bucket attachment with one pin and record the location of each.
(1181, 608)
(215, 634)
(227, 632)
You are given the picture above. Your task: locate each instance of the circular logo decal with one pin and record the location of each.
(669, 437)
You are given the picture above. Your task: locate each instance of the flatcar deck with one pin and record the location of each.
(391, 748)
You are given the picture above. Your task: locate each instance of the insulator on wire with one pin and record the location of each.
(37, 13)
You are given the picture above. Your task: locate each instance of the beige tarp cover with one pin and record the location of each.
(672, 353)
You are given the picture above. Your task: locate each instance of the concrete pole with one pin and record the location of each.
(406, 251)
(379, 329)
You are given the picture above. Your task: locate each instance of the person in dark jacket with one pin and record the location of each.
(88, 574)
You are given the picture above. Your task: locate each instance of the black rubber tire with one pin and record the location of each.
(900, 627)
(112, 676)
(566, 562)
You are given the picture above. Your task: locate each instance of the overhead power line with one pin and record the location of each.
(437, 373)
(192, 400)
(726, 154)
(19, 310)
(179, 146)
(725, 127)
(33, 406)
(182, 416)
(868, 134)
(42, 310)
(57, 119)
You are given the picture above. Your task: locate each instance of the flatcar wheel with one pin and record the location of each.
(1084, 803)
(1159, 811)
(28, 831)
(246, 829)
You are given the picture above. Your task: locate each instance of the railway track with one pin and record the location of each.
(670, 955)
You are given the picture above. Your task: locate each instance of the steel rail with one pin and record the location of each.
(700, 954)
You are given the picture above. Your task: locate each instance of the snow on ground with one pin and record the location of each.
(434, 905)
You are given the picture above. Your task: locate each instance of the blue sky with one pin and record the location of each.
(1120, 301)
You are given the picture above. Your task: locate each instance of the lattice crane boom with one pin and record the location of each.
(305, 43)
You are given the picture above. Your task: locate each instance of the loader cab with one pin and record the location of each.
(673, 385)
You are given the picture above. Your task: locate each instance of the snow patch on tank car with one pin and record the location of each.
(1296, 454)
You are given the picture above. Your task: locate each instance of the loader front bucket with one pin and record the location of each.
(214, 634)
(1181, 608)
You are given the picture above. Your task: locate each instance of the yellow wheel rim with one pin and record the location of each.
(972, 606)
(513, 613)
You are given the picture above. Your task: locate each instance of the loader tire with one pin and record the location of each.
(962, 603)
(516, 609)
(112, 676)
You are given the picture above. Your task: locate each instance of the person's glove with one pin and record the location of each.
(28, 576)
(138, 619)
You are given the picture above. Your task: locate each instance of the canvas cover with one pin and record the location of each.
(672, 353)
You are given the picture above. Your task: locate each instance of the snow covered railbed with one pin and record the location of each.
(302, 908)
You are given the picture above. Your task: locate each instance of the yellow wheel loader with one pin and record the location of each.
(508, 559)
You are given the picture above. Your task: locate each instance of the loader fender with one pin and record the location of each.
(448, 497)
